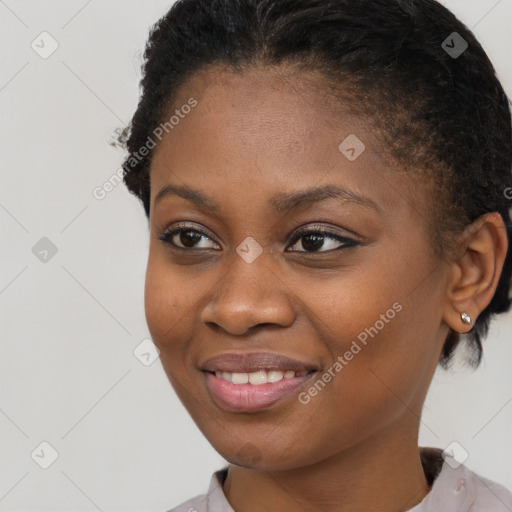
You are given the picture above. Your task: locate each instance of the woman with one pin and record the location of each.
(328, 190)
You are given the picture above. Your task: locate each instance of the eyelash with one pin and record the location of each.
(168, 235)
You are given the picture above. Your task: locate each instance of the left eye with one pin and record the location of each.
(312, 241)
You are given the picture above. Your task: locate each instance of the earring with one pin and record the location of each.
(466, 319)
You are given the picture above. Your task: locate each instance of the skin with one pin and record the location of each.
(252, 136)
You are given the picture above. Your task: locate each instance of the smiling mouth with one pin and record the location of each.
(252, 381)
(259, 377)
(234, 391)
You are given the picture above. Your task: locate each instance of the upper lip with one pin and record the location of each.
(252, 362)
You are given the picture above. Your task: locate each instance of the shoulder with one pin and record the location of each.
(213, 500)
(489, 496)
(456, 487)
(197, 504)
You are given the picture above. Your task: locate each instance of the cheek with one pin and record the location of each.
(164, 307)
(158, 305)
(383, 348)
(168, 317)
(172, 302)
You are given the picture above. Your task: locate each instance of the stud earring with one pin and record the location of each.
(466, 319)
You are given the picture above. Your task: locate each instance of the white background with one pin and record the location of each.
(69, 326)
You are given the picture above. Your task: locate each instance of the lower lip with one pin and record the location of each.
(250, 397)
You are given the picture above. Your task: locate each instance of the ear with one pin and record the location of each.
(475, 273)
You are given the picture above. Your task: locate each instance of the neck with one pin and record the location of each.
(381, 474)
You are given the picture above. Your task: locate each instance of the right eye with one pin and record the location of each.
(185, 237)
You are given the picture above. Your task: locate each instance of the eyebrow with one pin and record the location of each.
(280, 203)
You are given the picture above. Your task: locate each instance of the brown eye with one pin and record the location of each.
(187, 238)
(315, 240)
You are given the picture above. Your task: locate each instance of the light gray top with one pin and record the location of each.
(455, 489)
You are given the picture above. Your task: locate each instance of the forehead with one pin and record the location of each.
(259, 104)
(270, 128)
(261, 83)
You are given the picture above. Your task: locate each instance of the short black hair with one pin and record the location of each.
(437, 105)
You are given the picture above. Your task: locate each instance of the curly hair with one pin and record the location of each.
(442, 115)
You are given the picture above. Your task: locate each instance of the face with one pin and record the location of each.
(268, 239)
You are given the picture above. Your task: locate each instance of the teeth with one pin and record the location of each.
(274, 375)
(239, 378)
(259, 377)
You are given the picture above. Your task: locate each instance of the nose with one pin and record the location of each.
(250, 295)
